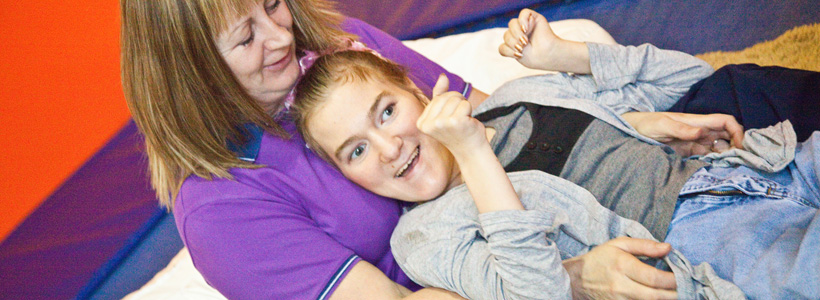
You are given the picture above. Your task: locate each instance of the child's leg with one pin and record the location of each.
(760, 231)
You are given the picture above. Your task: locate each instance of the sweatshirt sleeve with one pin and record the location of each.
(500, 255)
(623, 79)
(642, 78)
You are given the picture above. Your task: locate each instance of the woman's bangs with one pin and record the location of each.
(219, 14)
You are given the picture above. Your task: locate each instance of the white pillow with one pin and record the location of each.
(474, 56)
(179, 280)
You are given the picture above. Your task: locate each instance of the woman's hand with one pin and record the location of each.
(532, 42)
(611, 271)
(689, 134)
(447, 119)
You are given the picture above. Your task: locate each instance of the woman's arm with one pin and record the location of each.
(247, 237)
(365, 281)
(247, 248)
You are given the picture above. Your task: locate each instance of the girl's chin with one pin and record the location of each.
(431, 194)
(413, 197)
(414, 200)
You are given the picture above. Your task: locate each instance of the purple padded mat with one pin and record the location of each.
(79, 228)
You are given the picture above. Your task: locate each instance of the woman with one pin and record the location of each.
(261, 215)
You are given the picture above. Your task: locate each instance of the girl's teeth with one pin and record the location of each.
(409, 161)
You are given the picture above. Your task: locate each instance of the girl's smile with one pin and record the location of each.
(368, 129)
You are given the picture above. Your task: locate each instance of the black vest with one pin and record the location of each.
(555, 131)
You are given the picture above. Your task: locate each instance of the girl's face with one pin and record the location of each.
(368, 128)
(260, 50)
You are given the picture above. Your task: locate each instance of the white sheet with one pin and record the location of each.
(473, 55)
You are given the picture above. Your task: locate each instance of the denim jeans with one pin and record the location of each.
(758, 230)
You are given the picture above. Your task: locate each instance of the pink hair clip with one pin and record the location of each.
(359, 46)
(306, 61)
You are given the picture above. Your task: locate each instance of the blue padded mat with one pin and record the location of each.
(689, 26)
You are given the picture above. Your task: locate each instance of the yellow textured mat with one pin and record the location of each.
(798, 48)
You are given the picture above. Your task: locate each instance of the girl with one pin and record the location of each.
(363, 115)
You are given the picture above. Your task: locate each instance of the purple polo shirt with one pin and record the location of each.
(294, 228)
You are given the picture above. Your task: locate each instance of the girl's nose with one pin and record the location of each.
(389, 148)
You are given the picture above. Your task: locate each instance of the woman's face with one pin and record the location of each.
(260, 50)
(368, 128)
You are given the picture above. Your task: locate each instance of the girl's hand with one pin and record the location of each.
(531, 41)
(447, 119)
(689, 134)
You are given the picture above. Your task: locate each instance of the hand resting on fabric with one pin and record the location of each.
(612, 271)
(689, 134)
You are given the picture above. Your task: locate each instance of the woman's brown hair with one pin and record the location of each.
(181, 93)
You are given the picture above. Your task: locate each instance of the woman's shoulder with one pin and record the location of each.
(276, 159)
(289, 176)
(356, 26)
(368, 34)
(246, 185)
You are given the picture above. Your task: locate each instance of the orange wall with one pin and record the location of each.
(60, 94)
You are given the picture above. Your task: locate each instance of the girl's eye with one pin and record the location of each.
(247, 41)
(357, 152)
(387, 112)
(272, 8)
